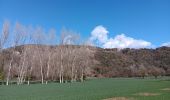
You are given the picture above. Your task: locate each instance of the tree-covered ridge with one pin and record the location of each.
(133, 62)
(72, 62)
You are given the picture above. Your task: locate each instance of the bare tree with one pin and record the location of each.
(51, 39)
(30, 57)
(20, 38)
(39, 39)
(67, 53)
(40, 61)
(17, 40)
(3, 40)
(5, 34)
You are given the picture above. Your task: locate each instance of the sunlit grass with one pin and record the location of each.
(95, 89)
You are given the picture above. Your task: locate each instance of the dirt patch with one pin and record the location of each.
(119, 98)
(166, 89)
(147, 94)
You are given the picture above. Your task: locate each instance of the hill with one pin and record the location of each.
(72, 62)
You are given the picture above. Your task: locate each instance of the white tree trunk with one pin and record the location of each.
(41, 68)
(72, 70)
(42, 77)
(9, 71)
(61, 67)
(21, 71)
(82, 75)
(28, 82)
(60, 77)
(48, 68)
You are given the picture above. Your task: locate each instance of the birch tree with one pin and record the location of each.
(20, 38)
(67, 38)
(5, 34)
(51, 38)
(39, 39)
(3, 39)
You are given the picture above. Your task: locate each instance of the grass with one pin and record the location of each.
(96, 89)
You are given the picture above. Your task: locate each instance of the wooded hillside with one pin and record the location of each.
(133, 62)
(70, 62)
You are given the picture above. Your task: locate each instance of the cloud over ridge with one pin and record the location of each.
(99, 35)
(167, 44)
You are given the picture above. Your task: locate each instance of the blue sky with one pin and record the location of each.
(147, 20)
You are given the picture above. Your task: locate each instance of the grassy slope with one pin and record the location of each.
(97, 89)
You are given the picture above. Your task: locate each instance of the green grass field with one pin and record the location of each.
(95, 89)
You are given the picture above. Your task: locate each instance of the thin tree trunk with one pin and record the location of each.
(61, 67)
(72, 74)
(72, 70)
(21, 72)
(22, 77)
(82, 75)
(62, 78)
(28, 82)
(9, 71)
(41, 68)
(42, 77)
(48, 68)
(75, 77)
(29, 76)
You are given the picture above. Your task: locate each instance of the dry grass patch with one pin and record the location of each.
(119, 98)
(166, 89)
(147, 94)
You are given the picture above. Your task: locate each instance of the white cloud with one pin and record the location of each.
(122, 41)
(100, 34)
(166, 44)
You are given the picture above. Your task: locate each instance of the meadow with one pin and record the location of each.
(93, 89)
